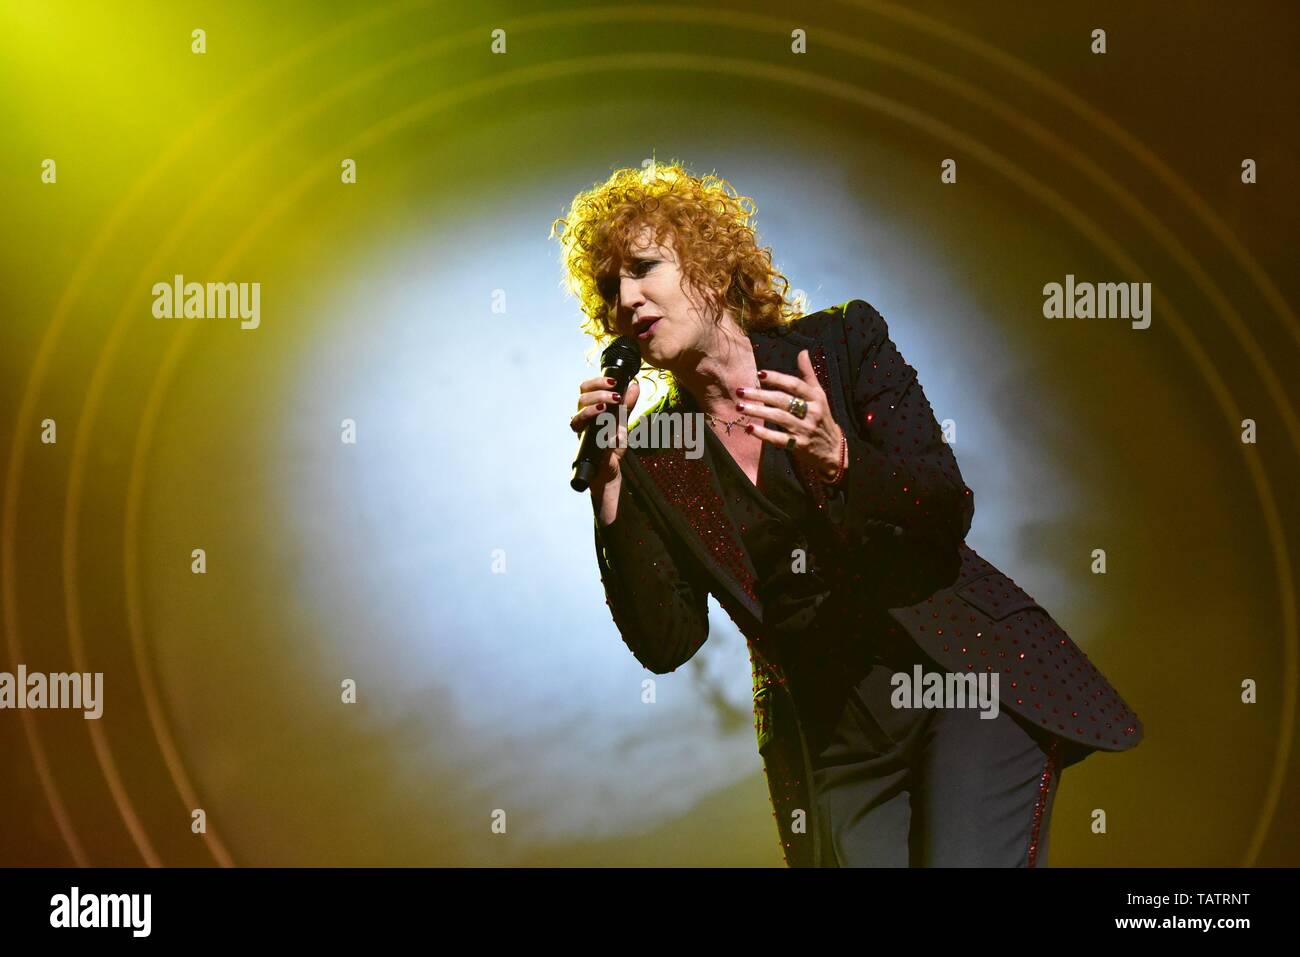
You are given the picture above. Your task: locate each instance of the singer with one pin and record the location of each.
(827, 515)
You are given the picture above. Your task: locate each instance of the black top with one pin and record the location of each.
(820, 623)
(772, 519)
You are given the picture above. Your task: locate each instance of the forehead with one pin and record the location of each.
(643, 243)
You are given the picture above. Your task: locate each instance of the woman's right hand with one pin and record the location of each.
(595, 397)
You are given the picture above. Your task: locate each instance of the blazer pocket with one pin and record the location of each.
(996, 595)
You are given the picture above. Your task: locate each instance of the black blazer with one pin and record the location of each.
(896, 531)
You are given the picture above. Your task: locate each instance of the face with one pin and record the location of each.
(656, 306)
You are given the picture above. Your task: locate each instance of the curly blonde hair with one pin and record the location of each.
(711, 227)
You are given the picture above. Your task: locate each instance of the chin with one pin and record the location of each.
(656, 355)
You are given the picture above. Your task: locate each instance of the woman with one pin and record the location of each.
(827, 515)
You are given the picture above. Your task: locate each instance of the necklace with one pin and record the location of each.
(715, 421)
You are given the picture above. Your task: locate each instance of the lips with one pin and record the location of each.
(646, 327)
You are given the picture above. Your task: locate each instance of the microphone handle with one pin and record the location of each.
(589, 451)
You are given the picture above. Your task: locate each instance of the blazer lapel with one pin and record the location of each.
(687, 494)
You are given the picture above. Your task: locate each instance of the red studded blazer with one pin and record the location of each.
(896, 540)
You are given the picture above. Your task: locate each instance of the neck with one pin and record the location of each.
(724, 365)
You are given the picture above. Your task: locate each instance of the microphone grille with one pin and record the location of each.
(622, 352)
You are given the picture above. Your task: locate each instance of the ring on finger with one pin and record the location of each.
(789, 444)
(798, 407)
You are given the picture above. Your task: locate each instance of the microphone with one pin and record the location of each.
(621, 361)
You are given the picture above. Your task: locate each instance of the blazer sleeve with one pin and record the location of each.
(903, 509)
(654, 594)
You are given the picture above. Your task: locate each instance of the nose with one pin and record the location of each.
(630, 297)
(629, 292)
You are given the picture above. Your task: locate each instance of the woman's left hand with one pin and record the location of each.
(817, 436)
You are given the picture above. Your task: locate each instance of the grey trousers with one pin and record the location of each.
(931, 787)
